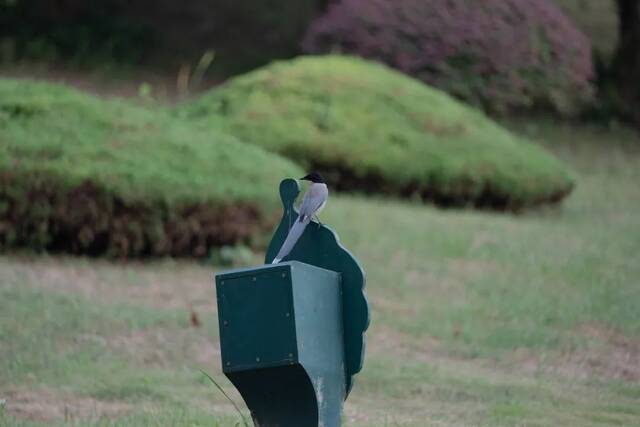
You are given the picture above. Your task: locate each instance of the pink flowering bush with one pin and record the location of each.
(500, 54)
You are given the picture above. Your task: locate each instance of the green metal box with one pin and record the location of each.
(282, 342)
(278, 315)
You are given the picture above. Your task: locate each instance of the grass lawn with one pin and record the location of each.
(478, 319)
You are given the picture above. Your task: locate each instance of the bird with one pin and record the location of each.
(313, 202)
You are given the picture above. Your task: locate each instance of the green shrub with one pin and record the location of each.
(371, 128)
(84, 175)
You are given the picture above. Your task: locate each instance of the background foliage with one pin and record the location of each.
(501, 55)
(243, 33)
(498, 54)
(72, 29)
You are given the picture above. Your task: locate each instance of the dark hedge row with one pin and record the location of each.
(501, 54)
(49, 30)
(42, 213)
(243, 33)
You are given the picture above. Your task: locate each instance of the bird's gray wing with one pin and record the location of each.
(313, 199)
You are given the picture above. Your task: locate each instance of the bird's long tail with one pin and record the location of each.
(293, 236)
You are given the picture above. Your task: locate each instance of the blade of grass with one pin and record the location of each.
(244, 421)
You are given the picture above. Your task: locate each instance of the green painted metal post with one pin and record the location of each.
(292, 334)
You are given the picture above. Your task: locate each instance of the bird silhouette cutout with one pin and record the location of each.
(320, 246)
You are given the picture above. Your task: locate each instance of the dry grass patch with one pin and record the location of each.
(159, 347)
(607, 354)
(604, 354)
(163, 284)
(47, 405)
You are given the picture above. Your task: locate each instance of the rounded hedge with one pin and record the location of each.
(373, 129)
(84, 175)
(500, 54)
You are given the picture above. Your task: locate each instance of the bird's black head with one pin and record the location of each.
(314, 177)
